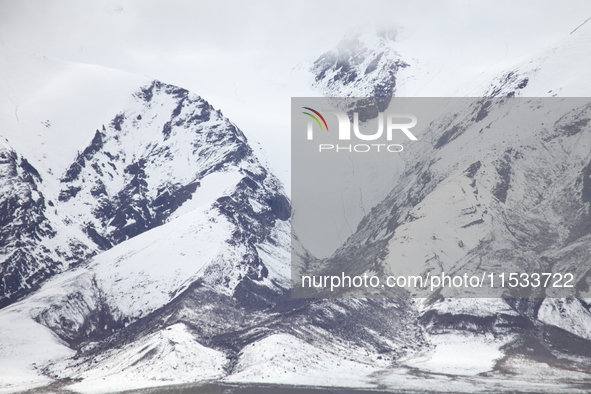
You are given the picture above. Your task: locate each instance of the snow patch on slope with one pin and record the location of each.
(460, 354)
(147, 271)
(169, 356)
(285, 359)
(26, 346)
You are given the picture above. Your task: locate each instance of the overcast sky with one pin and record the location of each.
(162, 31)
(239, 54)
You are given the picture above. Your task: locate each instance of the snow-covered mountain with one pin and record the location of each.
(194, 236)
(166, 242)
(478, 194)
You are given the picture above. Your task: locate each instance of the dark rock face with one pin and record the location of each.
(449, 135)
(498, 324)
(75, 168)
(83, 318)
(280, 206)
(586, 184)
(508, 85)
(501, 189)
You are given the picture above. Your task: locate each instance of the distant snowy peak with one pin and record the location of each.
(362, 65)
(561, 70)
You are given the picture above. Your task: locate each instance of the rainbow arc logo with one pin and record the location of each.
(313, 116)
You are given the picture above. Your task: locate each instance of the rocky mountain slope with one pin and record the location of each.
(489, 190)
(36, 241)
(194, 235)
